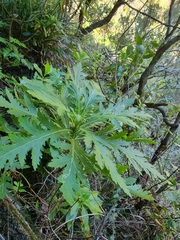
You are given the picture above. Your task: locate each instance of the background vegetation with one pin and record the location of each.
(90, 114)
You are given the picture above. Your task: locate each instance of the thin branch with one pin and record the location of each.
(162, 147)
(170, 17)
(105, 95)
(165, 180)
(164, 142)
(149, 16)
(75, 12)
(161, 110)
(160, 51)
(81, 14)
(155, 105)
(174, 27)
(105, 20)
(163, 188)
(132, 21)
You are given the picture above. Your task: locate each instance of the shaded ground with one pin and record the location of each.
(9, 228)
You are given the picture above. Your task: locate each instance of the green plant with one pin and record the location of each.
(10, 49)
(11, 57)
(68, 118)
(41, 25)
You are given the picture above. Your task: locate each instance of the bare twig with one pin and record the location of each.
(163, 187)
(149, 16)
(170, 17)
(102, 90)
(133, 21)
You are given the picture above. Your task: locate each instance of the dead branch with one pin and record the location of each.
(164, 142)
(9, 203)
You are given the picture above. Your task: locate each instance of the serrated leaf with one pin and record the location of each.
(5, 127)
(93, 94)
(15, 108)
(45, 93)
(104, 159)
(5, 184)
(137, 191)
(29, 104)
(29, 125)
(139, 161)
(72, 214)
(77, 75)
(72, 172)
(22, 145)
(135, 137)
(69, 182)
(3, 40)
(17, 42)
(91, 200)
(36, 154)
(83, 133)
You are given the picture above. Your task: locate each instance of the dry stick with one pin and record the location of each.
(8, 202)
(104, 222)
(170, 17)
(166, 185)
(165, 140)
(29, 185)
(164, 180)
